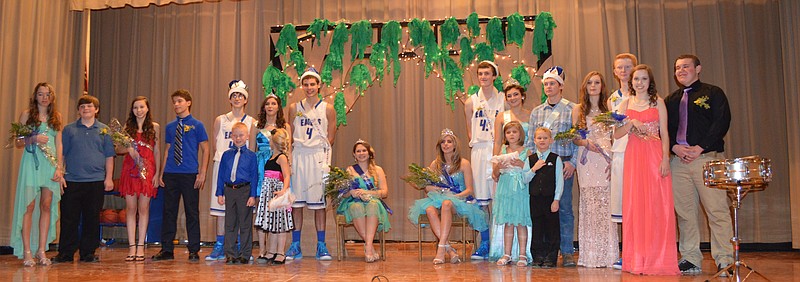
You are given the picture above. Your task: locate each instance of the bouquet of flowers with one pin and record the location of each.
(338, 184)
(24, 132)
(419, 177)
(610, 119)
(571, 134)
(121, 138)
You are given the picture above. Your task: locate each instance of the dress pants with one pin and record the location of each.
(177, 185)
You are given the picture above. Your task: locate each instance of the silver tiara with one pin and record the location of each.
(511, 81)
(271, 95)
(447, 131)
(360, 141)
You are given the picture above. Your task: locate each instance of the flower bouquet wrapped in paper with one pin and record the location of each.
(610, 119)
(121, 138)
(420, 177)
(569, 135)
(338, 184)
(26, 133)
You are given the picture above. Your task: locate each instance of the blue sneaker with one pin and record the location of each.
(322, 252)
(482, 253)
(217, 254)
(618, 264)
(294, 251)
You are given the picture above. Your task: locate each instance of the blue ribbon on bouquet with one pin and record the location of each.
(451, 184)
(370, 186)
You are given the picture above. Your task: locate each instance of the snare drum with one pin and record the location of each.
(746, 171)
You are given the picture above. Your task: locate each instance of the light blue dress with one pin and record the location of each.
(511, 206)
(263, 154)
(472, 212)
(373, 207)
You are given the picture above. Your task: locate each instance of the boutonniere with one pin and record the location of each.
(614, 99)
(702, 102)
(186, 128)
(299, 114)
(104, 131)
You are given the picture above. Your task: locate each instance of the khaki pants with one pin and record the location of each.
(687, 189)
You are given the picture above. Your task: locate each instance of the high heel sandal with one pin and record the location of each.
(368, 258)
(43, 260)
(133, 256)
(523, 261)
(506, 259)
(29, 262)
(440, 260)
(275, 261)
(454, 256)
(139, 257)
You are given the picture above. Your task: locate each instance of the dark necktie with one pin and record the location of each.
(235, 164)
(178, 144)
(683, 113)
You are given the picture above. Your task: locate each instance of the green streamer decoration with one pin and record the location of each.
(544, 96)
(317, 27)
(415, 32)
(378, 60)
(498, 84)
(340, 106)
(360, 78)
(495, 34)
(332, 62)
(516, 30)
(450, 32)
(467, 54)
(287, 38)
(522, 76)
(473, 27)
(422, 31)
(473, 90)
(361, 38)
(276, 81)
(390, 37)
(484, 51)
(542, 32)
(299, 61)
(453, 80)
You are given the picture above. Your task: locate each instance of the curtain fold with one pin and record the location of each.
(80, 5)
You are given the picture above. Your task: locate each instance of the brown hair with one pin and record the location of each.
(89, 99)
(53, 116)
(586, 106)
(485, 65)
(371, 161)
(280, 122)
(183, 93)
(651, 88)
(131, 126)
(440, 161)
(518, 87)
(521, 131)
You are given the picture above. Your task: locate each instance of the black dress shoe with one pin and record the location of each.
(62, 259)
(163, 255)
(244, 260)
(193, 256)
(90, 258)
(230, 260)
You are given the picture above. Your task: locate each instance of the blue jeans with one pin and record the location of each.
(566, 218)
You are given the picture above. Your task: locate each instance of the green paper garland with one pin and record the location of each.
(390, 36)
(361, 38)
(450, 32)
(415, 31)
(498, 84)
(473, 26)
(484, 51)
(422, 34)
(340, 106)
(467, 54)
(287, 38)
(336, 53)
(522, 76)
(360, 78)
(494, 34)
(453, 80)
(378, 60)
(516, 30)
(276, 81)
(473, 90)
(542, 31)
(317, 27)
(299, 61)
(544, 96)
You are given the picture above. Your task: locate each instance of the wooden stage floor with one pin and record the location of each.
(401, 265)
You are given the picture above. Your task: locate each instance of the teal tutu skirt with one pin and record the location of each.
(472, 212)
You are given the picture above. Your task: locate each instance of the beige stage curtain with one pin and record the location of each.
(790, 31)
(154, 50)
(37, 44)
(80, 5)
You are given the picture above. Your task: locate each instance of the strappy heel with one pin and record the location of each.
(43, 260)
(454, 256)
(506, 259)
(29, 262)
(523, 261)
(368, 258)
(275, 259)
(133, 256)
(440, 260)
(139, 257)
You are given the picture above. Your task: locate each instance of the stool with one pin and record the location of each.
(341, 223)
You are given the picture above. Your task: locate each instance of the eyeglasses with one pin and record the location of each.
(238, 96)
